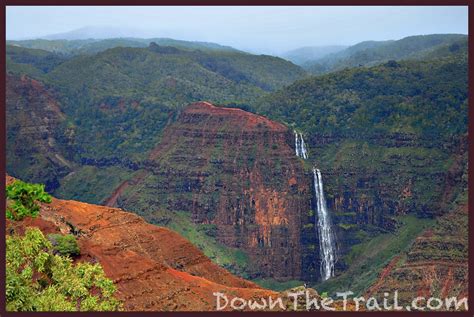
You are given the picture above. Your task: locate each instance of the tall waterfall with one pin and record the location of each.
(300, 146)
(327, 240)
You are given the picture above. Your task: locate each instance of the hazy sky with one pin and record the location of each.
(258, 29)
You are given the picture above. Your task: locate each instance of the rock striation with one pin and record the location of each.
(36, 135)
(238, 171)
(154, 268)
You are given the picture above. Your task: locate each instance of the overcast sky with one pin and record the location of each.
(257, 29)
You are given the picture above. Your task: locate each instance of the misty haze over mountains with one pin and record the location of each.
(270, 30)
(316, 59)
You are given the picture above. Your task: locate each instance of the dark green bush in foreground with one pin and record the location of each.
(64, 244)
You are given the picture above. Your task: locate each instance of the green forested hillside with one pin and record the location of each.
(303, 55)
(116, 102)
(371, 53)
(130, 92)
(34, 62)
(390, 140)
(425, 98)
(93, 46)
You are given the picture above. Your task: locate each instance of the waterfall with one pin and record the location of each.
(300, 146)
(327, 244)
(327, 240)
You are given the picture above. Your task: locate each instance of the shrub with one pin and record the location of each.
(23, 199)
(38, 280)
(64, 244)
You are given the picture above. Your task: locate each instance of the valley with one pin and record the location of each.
(247, 173)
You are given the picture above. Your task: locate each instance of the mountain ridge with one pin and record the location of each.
(370, 53)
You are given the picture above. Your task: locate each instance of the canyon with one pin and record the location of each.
(153, 267)
(238, 171)
(307, 177)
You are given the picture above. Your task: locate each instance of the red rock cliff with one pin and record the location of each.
(236, 170)
(153, 268)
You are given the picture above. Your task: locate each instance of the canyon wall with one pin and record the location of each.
(36, 134)
(153, 268)
(237, 171)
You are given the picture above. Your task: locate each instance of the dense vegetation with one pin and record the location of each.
(38, 280)
(34, 61)
(365, 112)
(23, 198)
(40, 275)
(367, 258)
(385, 136)
(374, 131)
(93, 46)
(371, 53)
(119, 100)
(426, 98)
(204, 237)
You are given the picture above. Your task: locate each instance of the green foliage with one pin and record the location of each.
(208, 229)
(118, 101)
(37, 156)
(23, 199)
(94, 46)
(92, 184)
(64, 244)
(426, 98)
(201, 235)
(38, 280)
(392, 127)
(372, 53)
(368, 258)
(33, 62)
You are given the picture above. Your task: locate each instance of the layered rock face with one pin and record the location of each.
(370, 182)
(375, 179)
(35, 132)
(154, 268)
(237, 171)
(435, 266)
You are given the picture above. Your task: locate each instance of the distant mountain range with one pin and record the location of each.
(307, 54)
(93, 39)
(99, 32)
(93, 46)
(315, 59)
(372, 53)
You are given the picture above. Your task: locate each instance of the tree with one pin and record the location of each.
(23, 199)
(38, 280)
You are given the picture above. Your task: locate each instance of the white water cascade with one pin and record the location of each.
(300, 146)
(327, 240)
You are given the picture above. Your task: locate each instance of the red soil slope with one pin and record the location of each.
(153, 268)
